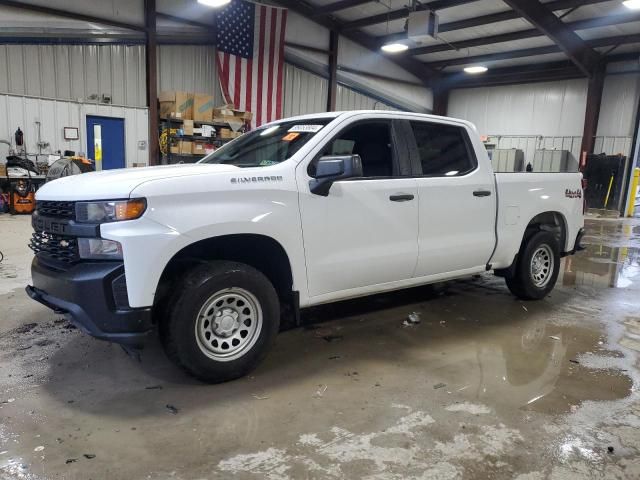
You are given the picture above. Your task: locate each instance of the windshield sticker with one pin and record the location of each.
(305, 128)
(266, 163)
(290, 137)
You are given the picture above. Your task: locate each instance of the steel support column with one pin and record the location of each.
(594, 99)
(332, 91)
(152, 79)
(440, 101)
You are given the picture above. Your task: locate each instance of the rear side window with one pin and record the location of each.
(443, 149)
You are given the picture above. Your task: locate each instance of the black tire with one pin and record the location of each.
(205, 283)
(521, 283)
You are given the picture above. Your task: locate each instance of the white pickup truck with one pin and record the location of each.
(300, 212)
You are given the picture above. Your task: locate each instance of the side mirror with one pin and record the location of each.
(330, 169)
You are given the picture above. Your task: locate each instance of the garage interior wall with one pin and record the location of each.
(75, 72)
(59, 85)
(190, 68)
(550, 115)
(302, 31)
(306, 92)
(53, 115)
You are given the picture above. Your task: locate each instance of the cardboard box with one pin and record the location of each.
(239, 114)
(176, 105)
(198, 148)
(226, 133)
(185, 147)
(3, 170)
(203, 107)
(187, 127)
(175, 147)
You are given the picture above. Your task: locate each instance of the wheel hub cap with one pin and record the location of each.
(228, 324)
(542, 264)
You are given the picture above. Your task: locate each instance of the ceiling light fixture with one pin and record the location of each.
(474, 69)
(632, 4)
(394, 47)
(214, 3)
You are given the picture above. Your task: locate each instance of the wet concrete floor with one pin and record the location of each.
(486, 386)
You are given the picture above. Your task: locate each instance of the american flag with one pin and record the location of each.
(250, 57)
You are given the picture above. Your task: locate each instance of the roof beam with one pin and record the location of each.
(185, 21)
(524, 34)
(411, 65)
(340, 5)
(72, 15)
(531, 52)
(538, 72)
(581, 54)
(493, 18)
(403, 13)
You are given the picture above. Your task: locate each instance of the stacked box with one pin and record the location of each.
(187, 127)
(203, 108)
(199, 147)
(176, 105)
(186, 147)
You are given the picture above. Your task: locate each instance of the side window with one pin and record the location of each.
(443, 149)
(370, 140)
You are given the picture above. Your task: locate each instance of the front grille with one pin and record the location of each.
(47, 208)
(60, 248)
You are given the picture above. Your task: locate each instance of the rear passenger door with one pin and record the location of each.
(457, 199)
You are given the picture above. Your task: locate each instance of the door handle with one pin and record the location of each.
(481, 193)
(404, 197)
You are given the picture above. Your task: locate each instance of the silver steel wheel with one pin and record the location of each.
(542, 263)
(228, 324)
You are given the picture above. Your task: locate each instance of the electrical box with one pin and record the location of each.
(422, 25)
(507, 160)
(554, 161)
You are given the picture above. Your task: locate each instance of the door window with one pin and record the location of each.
(443, 150)
(372, 141)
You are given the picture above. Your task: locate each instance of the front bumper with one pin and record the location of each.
(90, 295)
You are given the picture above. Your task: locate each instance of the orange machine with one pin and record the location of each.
(22, 197)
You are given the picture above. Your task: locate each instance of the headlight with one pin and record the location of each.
(99, 249)
(110, 210)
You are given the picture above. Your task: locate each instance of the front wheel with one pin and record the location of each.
(537, 267)
(223, 321)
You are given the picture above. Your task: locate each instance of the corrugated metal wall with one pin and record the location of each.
(75, 71)
(191, 68)
(80, 71)
(19, 111)
(619, 105)
(304, 92)
(349, 99)
(547, 109)
(550, 114)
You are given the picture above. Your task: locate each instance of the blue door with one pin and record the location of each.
(105, 142)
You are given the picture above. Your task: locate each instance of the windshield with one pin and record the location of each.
(268, 145)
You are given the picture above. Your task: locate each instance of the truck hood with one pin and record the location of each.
(111, 184)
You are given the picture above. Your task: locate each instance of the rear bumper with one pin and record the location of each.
(90, 295)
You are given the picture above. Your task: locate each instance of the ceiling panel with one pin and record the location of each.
(610, 31)
(552, 57)
(486, 49)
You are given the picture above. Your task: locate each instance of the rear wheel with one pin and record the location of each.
(537, 267)
(223, 320)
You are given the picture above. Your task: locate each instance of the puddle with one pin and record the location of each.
(611, 258)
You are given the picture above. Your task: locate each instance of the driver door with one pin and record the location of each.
(365, 231)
